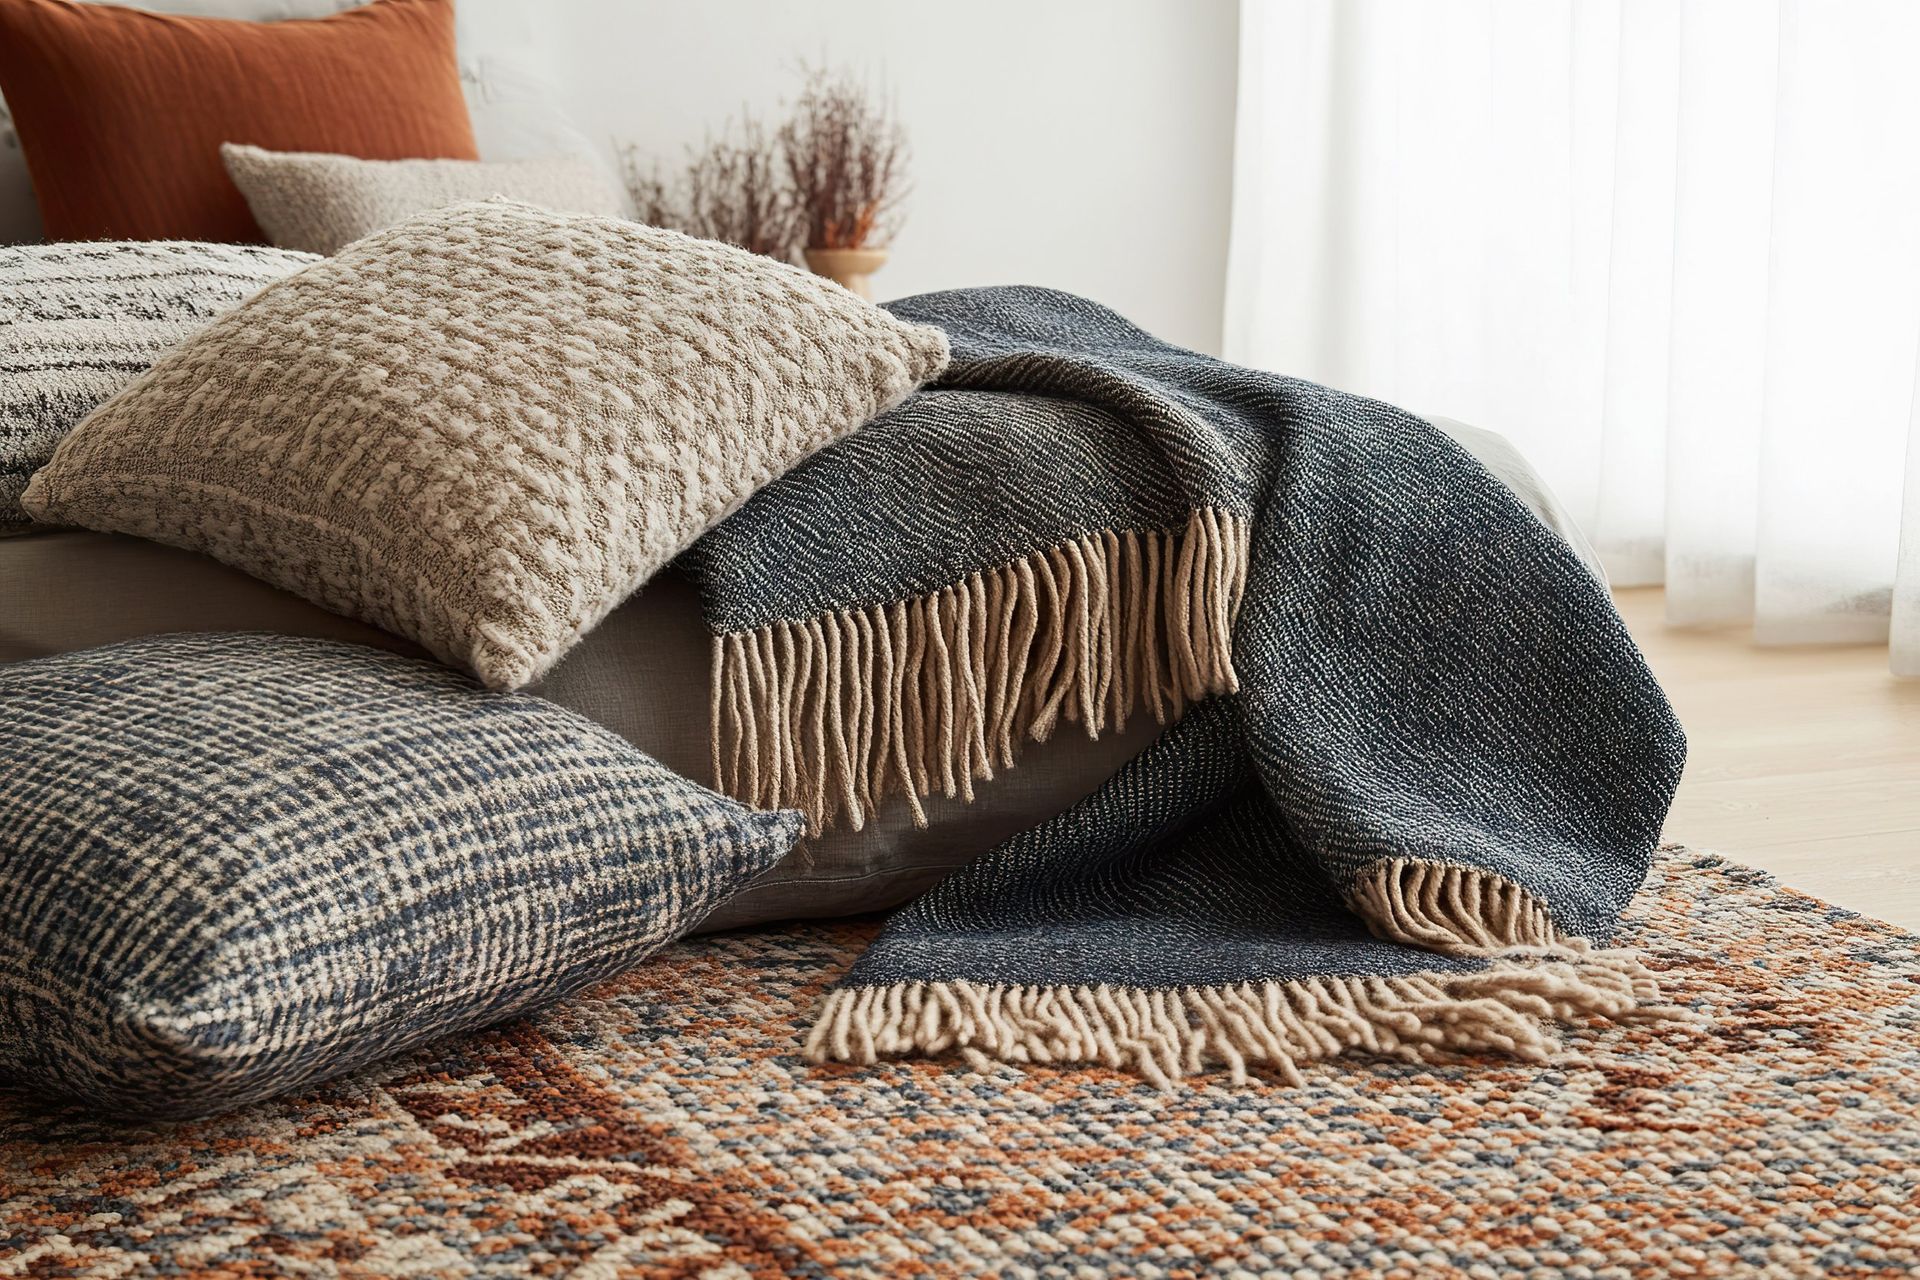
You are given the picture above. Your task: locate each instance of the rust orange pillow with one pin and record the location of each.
(121, 112)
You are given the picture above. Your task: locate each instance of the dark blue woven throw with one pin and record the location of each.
(1424, 766)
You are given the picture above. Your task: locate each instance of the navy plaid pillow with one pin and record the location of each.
(235, 864)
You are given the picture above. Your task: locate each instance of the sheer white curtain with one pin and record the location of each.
(1671, 249)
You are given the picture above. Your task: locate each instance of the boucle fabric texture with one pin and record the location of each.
(238, 863)
(664, 1125)
(486, 427)
(320, 203)
(80, 321)
(1418, 765)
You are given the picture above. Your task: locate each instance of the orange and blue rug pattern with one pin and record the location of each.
(666, 1126)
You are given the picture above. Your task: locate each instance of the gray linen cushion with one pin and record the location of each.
(484, 428)
(80, 321)
(321, 203)
(237, 863)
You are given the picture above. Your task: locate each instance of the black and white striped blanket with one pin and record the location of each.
(1416, 767)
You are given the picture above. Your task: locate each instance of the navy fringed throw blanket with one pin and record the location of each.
(1416, 767)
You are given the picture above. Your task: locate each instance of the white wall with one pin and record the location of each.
(1083, 144)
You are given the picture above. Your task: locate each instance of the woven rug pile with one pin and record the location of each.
(667, 1125)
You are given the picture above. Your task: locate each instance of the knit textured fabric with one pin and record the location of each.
(321, 203)
(1417, 766)
(236, 863)
(80, 320)
(484, 428)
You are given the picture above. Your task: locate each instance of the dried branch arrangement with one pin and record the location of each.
(832, 177)
(847, 159)
(653, 200)
(734, 189)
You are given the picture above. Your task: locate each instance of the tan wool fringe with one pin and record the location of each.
(1535, 976)
(833, 714)
(1448, 907)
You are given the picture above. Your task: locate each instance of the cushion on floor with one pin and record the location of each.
(234, 863)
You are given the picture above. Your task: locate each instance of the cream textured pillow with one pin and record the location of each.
(484, 428)
(321, 203)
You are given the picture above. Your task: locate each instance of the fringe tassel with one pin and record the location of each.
(1451, 908)
(1535, 975)
(833, 714)
(1167, 1035)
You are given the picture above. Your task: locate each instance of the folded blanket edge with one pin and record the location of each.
(1532, 975)
(1167, 1035)
(834, 713)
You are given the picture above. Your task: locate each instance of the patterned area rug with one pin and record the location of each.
(667, 1127)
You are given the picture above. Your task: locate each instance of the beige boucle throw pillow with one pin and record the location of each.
(320, 203)
(484, 428)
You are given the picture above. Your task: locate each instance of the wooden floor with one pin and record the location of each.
(1803, 761)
